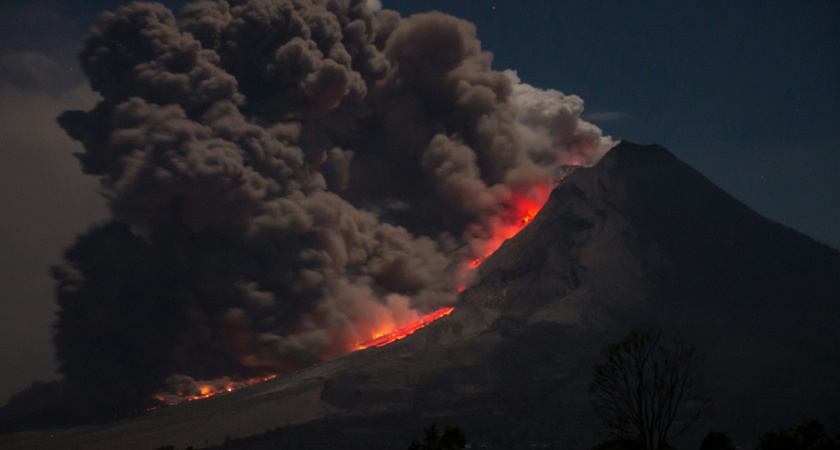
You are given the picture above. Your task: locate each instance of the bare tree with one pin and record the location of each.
(647, 390)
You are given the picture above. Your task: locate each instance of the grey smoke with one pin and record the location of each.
(285, 177)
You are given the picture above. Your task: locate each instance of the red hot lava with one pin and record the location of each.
(521, 210)
(207, 389)
(404, 331)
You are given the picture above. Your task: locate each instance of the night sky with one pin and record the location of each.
(746, 92)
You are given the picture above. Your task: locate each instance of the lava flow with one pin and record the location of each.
(206, 389)
(404, 331)
(520, 212)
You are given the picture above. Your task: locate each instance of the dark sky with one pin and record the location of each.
(746, 92)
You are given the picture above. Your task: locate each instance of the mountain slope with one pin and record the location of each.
(639, 240)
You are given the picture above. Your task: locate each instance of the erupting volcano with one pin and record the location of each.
(387, 338)
(520, 211)
(616, 247)
(286, 181)
(518, 214)
(199, 390)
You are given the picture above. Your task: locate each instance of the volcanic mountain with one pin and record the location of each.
(641, 239)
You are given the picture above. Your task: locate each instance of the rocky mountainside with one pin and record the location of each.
(639, 240)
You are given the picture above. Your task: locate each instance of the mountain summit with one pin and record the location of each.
(641, 239)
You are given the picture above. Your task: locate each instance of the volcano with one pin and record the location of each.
(640, 239)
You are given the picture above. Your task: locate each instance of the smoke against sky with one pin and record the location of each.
(285, 178)
(744, 107)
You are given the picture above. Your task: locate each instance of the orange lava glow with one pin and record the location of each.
(406, 330)
(209, 389)
(521, 210)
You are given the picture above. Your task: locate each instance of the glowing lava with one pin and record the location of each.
(404, 331)
(207, 389)
(520, 211)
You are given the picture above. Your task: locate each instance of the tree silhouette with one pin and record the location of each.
(648, 390)
(716, 440)
(808, 435)
(452, 439)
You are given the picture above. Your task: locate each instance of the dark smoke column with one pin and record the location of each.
(285, 178)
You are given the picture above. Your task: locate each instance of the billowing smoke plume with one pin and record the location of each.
(287, 178)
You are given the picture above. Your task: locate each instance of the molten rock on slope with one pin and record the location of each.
(639, 240)
(287, 178)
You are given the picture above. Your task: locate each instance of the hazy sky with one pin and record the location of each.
(746, 92)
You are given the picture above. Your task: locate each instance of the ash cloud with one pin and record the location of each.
(286, 178)
(550, 122)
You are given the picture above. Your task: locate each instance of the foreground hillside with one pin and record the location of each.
(639, 240)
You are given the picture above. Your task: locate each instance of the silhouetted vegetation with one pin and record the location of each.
(808, 435)
(451, 439)
(620, 443)
(716, 440)
(626, 443)
(648, 392)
